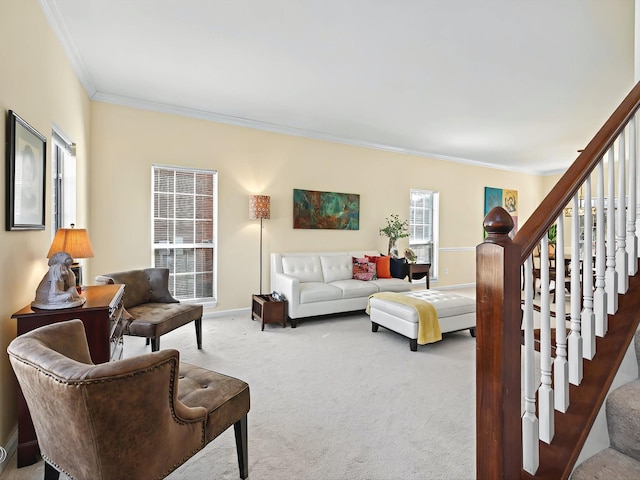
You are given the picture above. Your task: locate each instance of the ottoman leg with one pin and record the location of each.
(413, 344)
(374, 327)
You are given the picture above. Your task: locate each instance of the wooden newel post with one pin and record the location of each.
(498, 318)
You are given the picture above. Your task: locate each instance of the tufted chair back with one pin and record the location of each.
(116, 420)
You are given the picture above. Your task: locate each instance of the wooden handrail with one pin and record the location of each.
(549, 210)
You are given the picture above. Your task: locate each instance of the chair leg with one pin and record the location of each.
(242, 445)
(155, 344)
(50, 473)
(198, 324)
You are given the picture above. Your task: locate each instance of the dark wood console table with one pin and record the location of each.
(417, 269)
(101, 315)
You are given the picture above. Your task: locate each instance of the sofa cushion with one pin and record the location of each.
(311, 292)
(336, 267)
(391, 285)
(304, 268)
(137, 290)
(363, 269)
(154, 319)
(355, 288)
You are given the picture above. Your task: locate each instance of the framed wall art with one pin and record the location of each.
(26, 175)
(330, 210)
(507, 199)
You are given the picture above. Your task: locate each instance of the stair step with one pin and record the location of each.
(623, 419)
(608, 464)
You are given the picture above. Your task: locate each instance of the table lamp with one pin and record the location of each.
(260, 208)
(74, 241)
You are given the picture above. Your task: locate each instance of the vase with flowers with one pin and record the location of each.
(394, 230)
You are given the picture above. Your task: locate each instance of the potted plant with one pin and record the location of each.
(552, 235)
(394, 230)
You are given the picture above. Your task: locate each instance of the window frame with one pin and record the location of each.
(64, 186)
(418, 244)
(194, 245)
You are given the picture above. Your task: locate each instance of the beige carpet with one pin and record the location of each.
(332, 400)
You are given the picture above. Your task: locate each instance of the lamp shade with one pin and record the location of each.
(74, 241)
(259, 207)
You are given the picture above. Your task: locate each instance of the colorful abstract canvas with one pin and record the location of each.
(326, 210)
(507, 199)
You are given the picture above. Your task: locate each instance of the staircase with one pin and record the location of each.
(622, 459)
(569, 381)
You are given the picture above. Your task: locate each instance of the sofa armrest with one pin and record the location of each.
(288, 287)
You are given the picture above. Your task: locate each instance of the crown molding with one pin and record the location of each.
(287, 130)
(60, 29)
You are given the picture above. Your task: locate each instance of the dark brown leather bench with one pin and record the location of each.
(152, 308)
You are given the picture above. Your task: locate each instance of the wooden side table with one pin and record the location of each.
(268, 310)
(418, 269)
(101, 315)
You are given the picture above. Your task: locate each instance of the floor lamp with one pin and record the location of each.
(260, 208)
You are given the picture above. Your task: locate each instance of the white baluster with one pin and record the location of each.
(587, 318)
(632, 238)
(575, 340)
(560, 365)
(622, 262)
(545, 392)
(600, 295)
(610, 275)
(530, 435)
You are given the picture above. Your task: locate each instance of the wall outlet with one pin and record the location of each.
(446, 271)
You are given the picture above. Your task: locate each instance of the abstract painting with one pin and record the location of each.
(326, 210)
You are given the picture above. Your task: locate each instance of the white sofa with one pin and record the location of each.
(321, 283)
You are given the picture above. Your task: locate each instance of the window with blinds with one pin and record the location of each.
(423, 227)
(64, 182)
(184, 230)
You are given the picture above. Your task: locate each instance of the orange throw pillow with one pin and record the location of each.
(383, 267)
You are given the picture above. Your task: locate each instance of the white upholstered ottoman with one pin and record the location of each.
(455, 312)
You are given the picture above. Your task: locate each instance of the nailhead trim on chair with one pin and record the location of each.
(172, 387)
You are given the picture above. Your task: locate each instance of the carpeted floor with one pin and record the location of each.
(332, 400)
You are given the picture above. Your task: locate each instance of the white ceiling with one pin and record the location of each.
(518, 84)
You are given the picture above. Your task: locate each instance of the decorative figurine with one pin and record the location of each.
(58, 287)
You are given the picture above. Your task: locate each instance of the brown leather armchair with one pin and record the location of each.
(136, 418)
(152, 309)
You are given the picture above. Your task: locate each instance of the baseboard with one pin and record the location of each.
(225, 313)
(10, 450)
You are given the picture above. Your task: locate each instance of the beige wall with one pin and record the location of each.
(114, 197)
(38, 83)
(126, 142)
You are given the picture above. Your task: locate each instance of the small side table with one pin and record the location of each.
(417, 269)
(268, 310)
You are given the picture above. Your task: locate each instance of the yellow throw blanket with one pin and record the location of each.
(428, 325)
